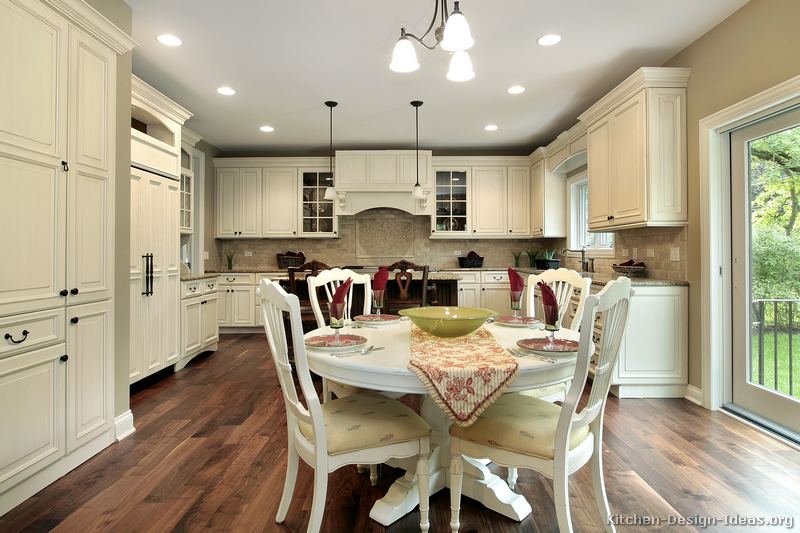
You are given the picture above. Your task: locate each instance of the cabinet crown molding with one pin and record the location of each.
(154, 100)
(477, 161)
(644, 78)
(91, 21)
(190, 137)
(272, 162)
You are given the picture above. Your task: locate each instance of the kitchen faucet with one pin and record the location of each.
(587, 265)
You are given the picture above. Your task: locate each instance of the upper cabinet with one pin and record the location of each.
(238, 202)
(389, 170)
(279, 202)
(490, 200)
(547, 199)
(636, 141)
(187, 192)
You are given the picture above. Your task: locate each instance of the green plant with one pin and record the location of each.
(517, 256)
(548, 254)
(229, 256)
(532, 256)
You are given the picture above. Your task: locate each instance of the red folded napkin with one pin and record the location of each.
(549, 303)
(341, 292)
(517, 281)
(380, 279)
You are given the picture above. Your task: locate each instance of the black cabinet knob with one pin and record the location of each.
(64, 358)
(65, 166)
(74, 320)
(64, 292)
(74, 291)
(11, 338)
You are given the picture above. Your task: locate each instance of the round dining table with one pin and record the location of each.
(387, 371)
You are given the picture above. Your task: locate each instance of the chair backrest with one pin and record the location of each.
(564, 282)
(613, 304)
(405, 275)
(274, 303)
(329, 281)
(312, 268)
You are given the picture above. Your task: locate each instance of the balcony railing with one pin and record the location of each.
(774, 327)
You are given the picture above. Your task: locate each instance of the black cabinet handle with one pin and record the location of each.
(10, 337)
(65, 166)
(610, 217)
(74, 320)
(64, 292)
(510, 230)
(74, 291)
(64, 358)
(483, 289)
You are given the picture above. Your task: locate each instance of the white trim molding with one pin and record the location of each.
(694, 395)
(94, 23)
(123, 426)
(155, 101)
(715, 281)
(190, 137)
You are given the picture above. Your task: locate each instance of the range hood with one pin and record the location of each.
(354, 202)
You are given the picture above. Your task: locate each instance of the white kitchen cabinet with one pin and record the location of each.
(191, 325)
(187, 193)
(547, 201)
(390, 170)
(452, 215)
(90, 395)
(407, 161)
(490, 200)
(279, 202)
(236, 305)
(209, 327)
(242, 306)
(238, 202)
(497, 298)
(317, 215)
(199, 326)
(34, 383)
(519, 201)
(469, 294)
(636, 145)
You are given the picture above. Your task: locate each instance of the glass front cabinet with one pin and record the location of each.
(452, 211)
(187, 184)
(317, 215)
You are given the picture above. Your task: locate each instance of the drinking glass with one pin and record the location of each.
(336, 314)
(551, 322)
(516, 305)
(377, 300)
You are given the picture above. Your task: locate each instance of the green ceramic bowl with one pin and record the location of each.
(448, 321)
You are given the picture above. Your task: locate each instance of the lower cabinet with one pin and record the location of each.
(469, 295)
(235, 306)
(497, 298)
(209, 327)
(199, 324)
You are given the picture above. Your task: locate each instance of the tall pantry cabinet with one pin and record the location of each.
(57, 152)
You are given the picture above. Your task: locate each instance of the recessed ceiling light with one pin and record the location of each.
(516, 89)
(267, 129)
(490, 127)
(549, 40)
(226, 91)
(168, 39)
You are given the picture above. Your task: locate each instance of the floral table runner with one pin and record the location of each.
(463, 375)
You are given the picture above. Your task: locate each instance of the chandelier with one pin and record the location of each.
(452, 34)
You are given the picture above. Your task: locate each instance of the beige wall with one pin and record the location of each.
(754, 49)
(208, 210)
(119, 13)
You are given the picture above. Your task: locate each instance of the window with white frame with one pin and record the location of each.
(579, 235)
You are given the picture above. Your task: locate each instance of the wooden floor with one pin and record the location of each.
(209, 453)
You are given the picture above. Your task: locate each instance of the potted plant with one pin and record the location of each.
(229, 256)
(531, 257)
(546, 260)
(517, 255)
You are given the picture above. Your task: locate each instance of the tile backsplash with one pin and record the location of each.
(382, 236)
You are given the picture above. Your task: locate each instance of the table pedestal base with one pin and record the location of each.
(478, 482)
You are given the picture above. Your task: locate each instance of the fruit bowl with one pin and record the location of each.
(448, 321)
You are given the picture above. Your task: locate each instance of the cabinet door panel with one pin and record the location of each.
(599, 171)
(489, 186)
(279, 203)
(248, 209)
(170, 300)
(519, 201)
(224, 307)
(242, 306)
(34, 88)
(497, 299)
(627, 146)
(34, 383)
(191, 326)
(209, 326)
(351, 169)
(383, 169)
(537, 199)
(32, 222)
(90, 237)
(469, 295)
(90, 346)
(226, 201)
(408, 169)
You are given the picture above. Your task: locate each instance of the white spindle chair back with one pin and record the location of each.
(330, 280)
(564, 282)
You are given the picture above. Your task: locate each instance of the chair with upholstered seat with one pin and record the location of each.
(406, 297)
(365, 427)
(299, 286)
(565, 283)
(524, 432)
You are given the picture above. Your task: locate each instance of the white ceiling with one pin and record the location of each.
(284, 58)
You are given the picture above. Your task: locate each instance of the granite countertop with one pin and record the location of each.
(442, 275)
(192, 277)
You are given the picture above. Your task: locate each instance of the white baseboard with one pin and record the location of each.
(665, 390)
(694, 395)
(123, 425)
(240, 329)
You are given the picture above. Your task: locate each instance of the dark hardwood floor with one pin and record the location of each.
(209, 453)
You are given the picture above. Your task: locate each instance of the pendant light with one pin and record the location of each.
(417, 192)
(460, 67)
(330, 192)
(457, 36)
(404, 57)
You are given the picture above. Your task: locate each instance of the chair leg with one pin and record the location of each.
(318, 500)
(373, 474)
(456, 473)
(599, 487)
(561, 494)
(512, 477)
(424, 490)
(327, 395)
(292, 461)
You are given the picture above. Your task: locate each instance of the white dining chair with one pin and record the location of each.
(364, 427)
(328, 281)
(524, 432)
(564, 283)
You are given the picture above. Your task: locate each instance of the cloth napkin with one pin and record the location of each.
(517, 281)
(549, 303)
(380, 279)
(341, 292)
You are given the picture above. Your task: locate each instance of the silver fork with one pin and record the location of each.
(518, 353)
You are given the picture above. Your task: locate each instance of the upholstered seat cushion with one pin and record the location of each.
(521, 424)
(366, 420)
(545, 391)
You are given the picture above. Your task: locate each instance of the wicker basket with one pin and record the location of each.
(286, 261)
(470, 262)
(630, 271)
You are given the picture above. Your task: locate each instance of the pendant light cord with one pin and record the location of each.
(416, 109)
(330, 155)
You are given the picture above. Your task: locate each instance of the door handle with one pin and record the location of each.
(64, 358)
(10, 337)
(74, 291)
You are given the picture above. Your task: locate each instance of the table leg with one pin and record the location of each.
(478, 483)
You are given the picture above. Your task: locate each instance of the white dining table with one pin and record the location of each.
(387, 371)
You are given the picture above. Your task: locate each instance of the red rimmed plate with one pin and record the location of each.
(327, 342)
(521, 322)
(376, 319)
(542, 345)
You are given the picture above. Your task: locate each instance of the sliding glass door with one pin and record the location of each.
(765, 247)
